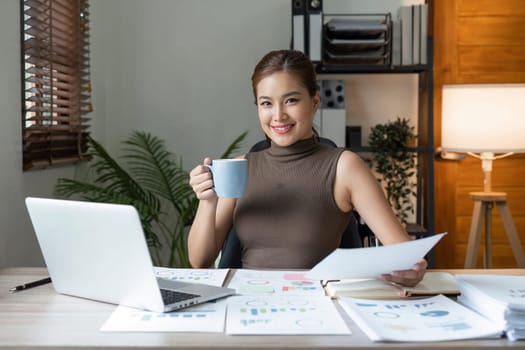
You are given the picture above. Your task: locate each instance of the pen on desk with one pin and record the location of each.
(31, 284)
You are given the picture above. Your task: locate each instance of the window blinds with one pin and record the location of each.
(56, 82)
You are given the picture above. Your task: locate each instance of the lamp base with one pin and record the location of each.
(483, 204)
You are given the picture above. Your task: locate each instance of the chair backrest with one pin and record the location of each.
(231, 250)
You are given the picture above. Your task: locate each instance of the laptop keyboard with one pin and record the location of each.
(171, 296)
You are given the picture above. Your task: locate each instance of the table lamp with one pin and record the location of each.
(486, 121)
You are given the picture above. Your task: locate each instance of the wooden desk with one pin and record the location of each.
(40, 318)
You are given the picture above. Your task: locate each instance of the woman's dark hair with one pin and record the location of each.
(290, 61)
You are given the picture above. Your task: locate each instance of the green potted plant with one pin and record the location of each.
(150, 179)
(394, 163)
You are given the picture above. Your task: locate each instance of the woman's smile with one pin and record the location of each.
(282, 129)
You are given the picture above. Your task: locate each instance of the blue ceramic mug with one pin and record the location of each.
(229, 177)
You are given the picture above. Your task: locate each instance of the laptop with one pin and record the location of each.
(98, 251)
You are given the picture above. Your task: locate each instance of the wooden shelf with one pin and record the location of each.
(369, 69)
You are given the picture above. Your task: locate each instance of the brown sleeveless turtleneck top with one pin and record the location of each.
(288, 218)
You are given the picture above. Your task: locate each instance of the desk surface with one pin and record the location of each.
(39, 317)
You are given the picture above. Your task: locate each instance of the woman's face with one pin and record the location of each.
(286, 110)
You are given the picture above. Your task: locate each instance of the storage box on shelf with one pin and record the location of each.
(357, 39)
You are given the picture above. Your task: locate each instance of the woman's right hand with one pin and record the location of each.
(201, 181)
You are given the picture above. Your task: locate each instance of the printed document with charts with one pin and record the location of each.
(436, 318)
(275, 282)
(280, 302)
(207, 317)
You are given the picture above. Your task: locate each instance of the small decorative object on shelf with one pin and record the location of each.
(332, 94)
(330, 119)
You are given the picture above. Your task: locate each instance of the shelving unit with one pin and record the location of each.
(424, 224)
(424, 217)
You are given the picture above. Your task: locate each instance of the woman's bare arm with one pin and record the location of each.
(356, 187)
(213, 219)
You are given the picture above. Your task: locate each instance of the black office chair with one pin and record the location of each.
(231, 249)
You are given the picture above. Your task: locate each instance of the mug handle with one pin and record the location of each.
(210, 166)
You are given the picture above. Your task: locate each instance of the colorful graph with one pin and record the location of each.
(258, 282)
(283, 315)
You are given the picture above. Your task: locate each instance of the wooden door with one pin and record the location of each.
(476, 41)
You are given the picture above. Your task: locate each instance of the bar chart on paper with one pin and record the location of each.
(208, 317)
(283, 315)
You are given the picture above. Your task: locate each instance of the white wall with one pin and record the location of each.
(178, 68)
(17, 243)
(181, 69)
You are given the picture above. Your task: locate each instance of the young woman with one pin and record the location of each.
(299, 192)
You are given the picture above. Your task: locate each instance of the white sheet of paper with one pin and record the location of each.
(264, 282)
(207, 317)
(283, 315)
(436, 318)
(373, 261)
(214, 277)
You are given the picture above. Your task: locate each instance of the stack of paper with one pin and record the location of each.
(501, 299)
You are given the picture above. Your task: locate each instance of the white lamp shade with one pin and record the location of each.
(483, 118)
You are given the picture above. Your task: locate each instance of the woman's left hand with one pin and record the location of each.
(408, 278)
